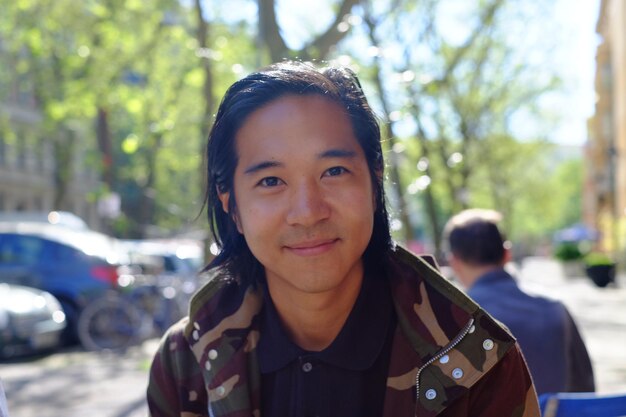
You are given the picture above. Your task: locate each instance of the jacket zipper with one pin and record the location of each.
(442, 352)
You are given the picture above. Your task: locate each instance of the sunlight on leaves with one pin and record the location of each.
(130, 144)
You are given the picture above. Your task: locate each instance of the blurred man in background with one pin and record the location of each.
(545, 330)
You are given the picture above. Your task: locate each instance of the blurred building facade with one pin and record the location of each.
(605, 183)
(28, 167)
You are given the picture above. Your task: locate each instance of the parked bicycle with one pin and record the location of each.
(143, 307)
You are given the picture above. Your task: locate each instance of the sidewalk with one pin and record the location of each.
(75, 383)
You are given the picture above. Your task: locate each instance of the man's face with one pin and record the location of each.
(304, 195)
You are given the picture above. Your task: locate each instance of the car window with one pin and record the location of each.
(168, 264)
(23, 250)
(63, 253)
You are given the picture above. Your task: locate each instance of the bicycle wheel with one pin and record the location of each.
(109, 323)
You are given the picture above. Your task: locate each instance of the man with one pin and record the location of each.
(310, 309)
(552, 346)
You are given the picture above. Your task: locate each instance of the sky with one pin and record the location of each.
(578, 19)
(574, 59)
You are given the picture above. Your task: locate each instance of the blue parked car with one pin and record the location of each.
(73, 264)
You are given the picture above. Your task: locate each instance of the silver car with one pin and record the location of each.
(31, 320)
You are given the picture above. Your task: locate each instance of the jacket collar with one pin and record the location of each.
(495, 275)
(428, 332)
(431, 311)
(224, 329)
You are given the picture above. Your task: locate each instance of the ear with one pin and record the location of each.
(225, 199)
(453, 262)
(508, 255)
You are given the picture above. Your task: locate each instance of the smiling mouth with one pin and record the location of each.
(312, 248)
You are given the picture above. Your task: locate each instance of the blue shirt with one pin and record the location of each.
(550, 341)
(348, 378)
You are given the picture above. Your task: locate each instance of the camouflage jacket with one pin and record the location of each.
(449, 357)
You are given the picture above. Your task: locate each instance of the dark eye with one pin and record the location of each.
(270, 182)
(334, 171)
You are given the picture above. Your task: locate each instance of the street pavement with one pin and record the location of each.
(74, 383)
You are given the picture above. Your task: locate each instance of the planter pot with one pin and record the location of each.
(601, 275)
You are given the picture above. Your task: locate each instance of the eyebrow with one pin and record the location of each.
(261, 166)
(331, 153)
(337, 153)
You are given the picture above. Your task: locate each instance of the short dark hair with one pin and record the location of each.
(245, 96)
(474, 237)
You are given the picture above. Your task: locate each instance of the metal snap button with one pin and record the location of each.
(457, 373)
(488, 344)
(444, 359)
(431, 394)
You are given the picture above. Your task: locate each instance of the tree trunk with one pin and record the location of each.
(64, 147)
(319, 48)
(103, 134)
(202, 36)
(147, 209)
(394, 170)
(269, 31)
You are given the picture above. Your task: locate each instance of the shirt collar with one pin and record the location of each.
(358, 344)
(495, 275)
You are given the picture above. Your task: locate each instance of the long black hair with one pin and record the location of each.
(251, 93)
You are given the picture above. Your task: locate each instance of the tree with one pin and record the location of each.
(137, 83)
(318, 48)
(445, 98)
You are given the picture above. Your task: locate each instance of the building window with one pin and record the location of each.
(21, 150)
(39, 154)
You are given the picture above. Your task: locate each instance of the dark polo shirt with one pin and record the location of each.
(348, 378)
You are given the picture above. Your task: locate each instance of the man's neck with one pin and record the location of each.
(313, 320)
(472, 274)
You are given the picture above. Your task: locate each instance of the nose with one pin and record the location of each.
(308, 205)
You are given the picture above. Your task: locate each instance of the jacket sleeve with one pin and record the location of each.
(175, 386)
(579, 372)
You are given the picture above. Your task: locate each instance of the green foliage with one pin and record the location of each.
(139, 62)
(597, 258)
(458, 94)
(568, 251)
